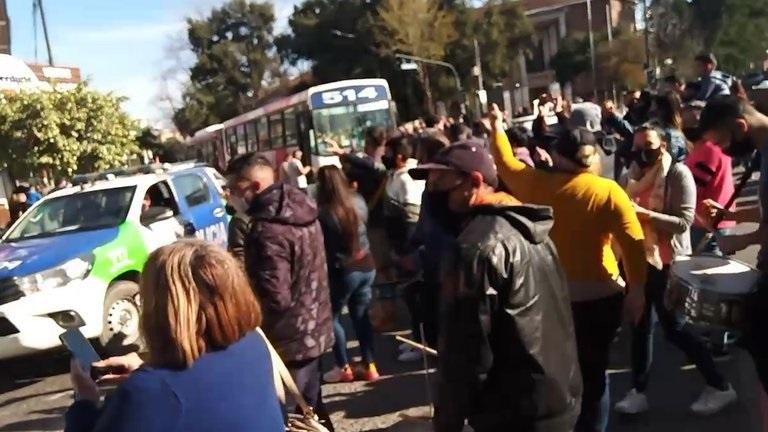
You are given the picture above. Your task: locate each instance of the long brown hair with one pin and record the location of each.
(335, 196)
(195, 299)
(670, 109)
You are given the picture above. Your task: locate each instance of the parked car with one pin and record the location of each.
(74, 258)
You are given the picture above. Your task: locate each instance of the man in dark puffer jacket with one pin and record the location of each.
(285, 260)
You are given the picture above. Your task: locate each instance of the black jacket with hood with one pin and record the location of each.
(507, 351)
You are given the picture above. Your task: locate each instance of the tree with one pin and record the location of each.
(502, 32)
(335, 36)
(741, 43)
(60, 133)
(622, 62)
(417, 27)
(166, 151)
(572, 59)
(235, 61)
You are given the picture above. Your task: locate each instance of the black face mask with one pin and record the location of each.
(441, 212)
(388, 161)
(741, 148)
(646, 158)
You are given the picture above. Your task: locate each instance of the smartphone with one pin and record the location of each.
(81, 349)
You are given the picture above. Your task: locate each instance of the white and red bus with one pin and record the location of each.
(340, 110)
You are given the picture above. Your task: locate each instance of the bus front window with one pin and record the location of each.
(346, 124)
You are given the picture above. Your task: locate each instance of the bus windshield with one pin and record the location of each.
(346, 124)
(77, 212)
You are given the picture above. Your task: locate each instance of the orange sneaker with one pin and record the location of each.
(370, 373)
(336, 375)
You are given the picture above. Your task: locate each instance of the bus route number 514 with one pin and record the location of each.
(349, 95)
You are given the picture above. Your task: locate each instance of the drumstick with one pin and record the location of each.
(751, 168)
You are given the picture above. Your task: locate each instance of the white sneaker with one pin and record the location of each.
(633, 403)
(411, 355)
(713, 400)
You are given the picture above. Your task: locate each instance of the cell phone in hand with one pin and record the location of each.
(80, 348)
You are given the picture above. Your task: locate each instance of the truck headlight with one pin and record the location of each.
(74, 269)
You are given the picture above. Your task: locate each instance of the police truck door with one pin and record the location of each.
(201, 207)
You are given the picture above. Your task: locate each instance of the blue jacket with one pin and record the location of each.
(713, 85)
(230, 390)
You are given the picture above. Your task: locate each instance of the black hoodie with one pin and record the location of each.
(507, 351)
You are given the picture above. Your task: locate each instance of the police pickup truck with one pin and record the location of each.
(74, 259)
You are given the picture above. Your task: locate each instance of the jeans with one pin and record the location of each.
(677, 334)
(698, 234)
(306, 375)
(596, 323)
(754, 338)
(353, 289)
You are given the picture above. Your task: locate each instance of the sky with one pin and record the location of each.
(120, 46)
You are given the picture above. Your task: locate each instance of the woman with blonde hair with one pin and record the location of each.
(206, 368)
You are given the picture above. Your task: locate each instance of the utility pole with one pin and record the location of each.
(647, 35)
(478, 71)
(609, 21)
(45, 32)
(592, 48)
(459, 89)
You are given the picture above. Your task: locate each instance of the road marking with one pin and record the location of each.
(59, 395)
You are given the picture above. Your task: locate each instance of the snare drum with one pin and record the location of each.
(711, 290)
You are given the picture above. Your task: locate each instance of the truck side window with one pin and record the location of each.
(159, 195)
(193, 189)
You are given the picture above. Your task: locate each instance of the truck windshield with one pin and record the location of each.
(347, 124)
(77, 212)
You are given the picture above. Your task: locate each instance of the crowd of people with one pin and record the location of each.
(522, 256)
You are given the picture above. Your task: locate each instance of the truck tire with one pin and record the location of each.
(121, 334)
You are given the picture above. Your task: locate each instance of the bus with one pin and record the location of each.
(340, 111)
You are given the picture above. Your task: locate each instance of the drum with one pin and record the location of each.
(711, 290)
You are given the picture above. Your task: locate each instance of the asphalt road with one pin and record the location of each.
(35, 392)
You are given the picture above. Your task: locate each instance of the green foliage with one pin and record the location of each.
(335, 36)
(235, 58)
(166, 151)
(417, 27)
(622, 62)
(572, 59)
(80, 130)
(741, 44)
(735, 30)
(502, 32)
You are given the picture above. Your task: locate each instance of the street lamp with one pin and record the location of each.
(410, 60)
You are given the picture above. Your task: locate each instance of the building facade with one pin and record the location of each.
(554, 20)
(59, 77)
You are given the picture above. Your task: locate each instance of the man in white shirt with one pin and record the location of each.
(293, 172)
(403, 194)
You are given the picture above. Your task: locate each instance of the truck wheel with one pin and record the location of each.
(121, 319)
